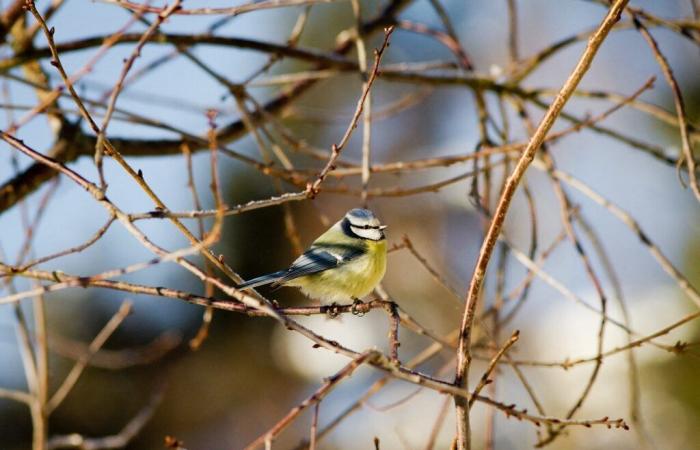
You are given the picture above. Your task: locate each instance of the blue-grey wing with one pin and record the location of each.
(320, 258)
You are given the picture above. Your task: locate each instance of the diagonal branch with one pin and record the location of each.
(464, 352)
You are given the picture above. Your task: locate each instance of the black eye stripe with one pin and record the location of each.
(364, 227)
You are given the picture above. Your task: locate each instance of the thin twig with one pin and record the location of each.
(492, 365)
(678, 102)
(313, 188)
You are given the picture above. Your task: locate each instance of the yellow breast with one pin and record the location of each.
(354, 279)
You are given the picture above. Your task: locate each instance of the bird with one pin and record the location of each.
(344, 263)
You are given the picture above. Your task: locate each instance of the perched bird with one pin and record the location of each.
(346, 262)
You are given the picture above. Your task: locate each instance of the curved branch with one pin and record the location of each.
(329, 59)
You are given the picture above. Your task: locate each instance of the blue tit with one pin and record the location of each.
(344, 263)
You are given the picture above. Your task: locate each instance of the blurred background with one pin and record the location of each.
(249, 372)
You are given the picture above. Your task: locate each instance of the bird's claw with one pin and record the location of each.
(358, 308)
(333, 310)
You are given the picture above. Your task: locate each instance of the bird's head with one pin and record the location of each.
(363, 224)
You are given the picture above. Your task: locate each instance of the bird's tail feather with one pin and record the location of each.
(262, 280)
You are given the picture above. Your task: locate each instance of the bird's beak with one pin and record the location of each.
(382, 227)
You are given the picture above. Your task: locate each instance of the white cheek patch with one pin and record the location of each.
(367, 233)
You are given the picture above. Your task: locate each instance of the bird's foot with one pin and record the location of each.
(333, 310)
(359, 308)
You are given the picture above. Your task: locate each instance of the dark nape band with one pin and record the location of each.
(345, 225)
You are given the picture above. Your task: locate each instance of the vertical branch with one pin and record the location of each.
(34, 359)
(367, 106)
(464, 352)
(31, 375)
(208, 314)
(393, 310)
(496, 321)
(29, 359)
(513, 52)
(314, 427)
(42, 366)
(482, 201)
